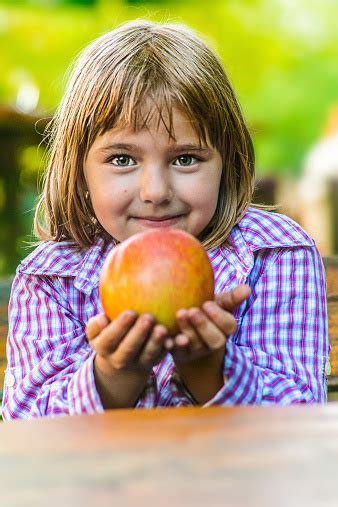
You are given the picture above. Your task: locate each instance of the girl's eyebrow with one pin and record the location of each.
(174, 149)
(195, 147)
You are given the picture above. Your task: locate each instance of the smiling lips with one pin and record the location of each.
(165, 221)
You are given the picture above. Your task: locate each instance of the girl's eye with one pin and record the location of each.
(185, 160)
(122, 160)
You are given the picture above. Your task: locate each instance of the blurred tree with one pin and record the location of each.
(77, 2)
(281, 57)
(16, 131)
(151, 2)
(48, 3)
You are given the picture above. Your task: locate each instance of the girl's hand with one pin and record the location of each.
(205, 330)
(128, 343)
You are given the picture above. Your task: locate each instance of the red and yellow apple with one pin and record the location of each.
(159, 272)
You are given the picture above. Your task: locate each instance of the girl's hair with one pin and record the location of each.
(112, 80)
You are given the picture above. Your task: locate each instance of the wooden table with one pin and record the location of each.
(237, 456)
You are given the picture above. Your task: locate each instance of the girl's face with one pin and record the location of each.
(143, 180)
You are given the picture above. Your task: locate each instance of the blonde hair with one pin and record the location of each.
(112, 78)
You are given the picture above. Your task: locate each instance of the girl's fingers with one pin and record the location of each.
(181, 340)
(110, 336)
(185, 326)
(210, 334)
(133, 342)
(224, 320)
(154, 346)
(181, 351)
(95, 325)
(231, 299)
(169, 343)
(189, 336)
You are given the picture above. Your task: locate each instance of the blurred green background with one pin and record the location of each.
(281, 56)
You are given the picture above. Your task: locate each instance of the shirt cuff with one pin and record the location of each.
(243, 382)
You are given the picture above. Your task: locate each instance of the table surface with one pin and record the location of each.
(219, 456)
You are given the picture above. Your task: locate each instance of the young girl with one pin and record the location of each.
(149, 134)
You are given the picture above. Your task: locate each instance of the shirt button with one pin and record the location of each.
(10, 380)
(328, 368)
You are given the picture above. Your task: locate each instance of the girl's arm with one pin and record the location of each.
(126, 350)
(49, 361)
(51, 366)
(280, 349)
(200, 362)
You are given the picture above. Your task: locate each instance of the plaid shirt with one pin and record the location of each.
(277, 355)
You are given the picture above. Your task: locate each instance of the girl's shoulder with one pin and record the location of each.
(266, 229)
(64, 258)
(52, 258)
(258, 230)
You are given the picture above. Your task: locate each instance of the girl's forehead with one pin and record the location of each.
(143, 136)
(174, 124)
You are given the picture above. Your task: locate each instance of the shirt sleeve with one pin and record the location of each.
(50, 363)
(281, 347)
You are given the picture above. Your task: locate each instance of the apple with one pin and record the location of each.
(158, 271)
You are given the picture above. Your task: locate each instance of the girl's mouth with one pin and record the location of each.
(165, 221)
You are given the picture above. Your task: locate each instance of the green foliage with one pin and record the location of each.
(281, 57)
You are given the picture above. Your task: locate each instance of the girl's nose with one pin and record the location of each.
(155, 186)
